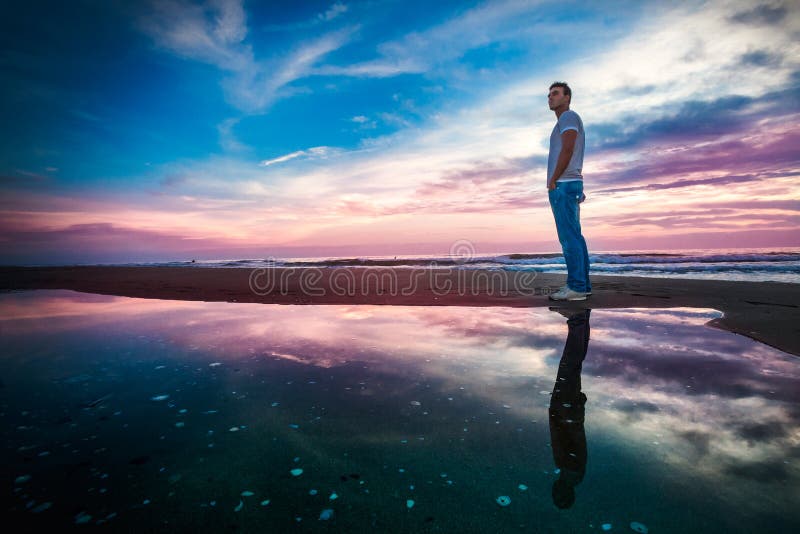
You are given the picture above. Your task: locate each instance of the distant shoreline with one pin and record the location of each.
(745, 265)
(768, 312)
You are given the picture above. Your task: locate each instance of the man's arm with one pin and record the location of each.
(567, 148)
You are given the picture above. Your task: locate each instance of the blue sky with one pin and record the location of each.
(226, 127)
(108, 85)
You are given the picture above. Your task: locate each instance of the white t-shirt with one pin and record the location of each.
(569, 120)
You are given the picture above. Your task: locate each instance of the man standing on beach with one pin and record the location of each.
(565, 189)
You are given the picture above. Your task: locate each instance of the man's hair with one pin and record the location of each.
(565, 87)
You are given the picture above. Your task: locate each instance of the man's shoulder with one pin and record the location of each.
(570, 114)
(570, 120)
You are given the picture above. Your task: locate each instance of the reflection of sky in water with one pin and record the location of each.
(681, 419)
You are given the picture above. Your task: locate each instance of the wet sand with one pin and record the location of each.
(768, 312)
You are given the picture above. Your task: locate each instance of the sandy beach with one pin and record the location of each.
(764, 311)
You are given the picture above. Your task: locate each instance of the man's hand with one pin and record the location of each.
(551, 184)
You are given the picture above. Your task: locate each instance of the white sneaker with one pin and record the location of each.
(565, 287)
(565, 293)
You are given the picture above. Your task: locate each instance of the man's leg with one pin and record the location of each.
(564, 202)
(586, 265)
(585, 259)
(583, 242)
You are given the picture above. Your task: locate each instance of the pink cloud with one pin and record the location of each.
(761, 155)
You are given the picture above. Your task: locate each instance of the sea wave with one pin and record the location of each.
(761, 265)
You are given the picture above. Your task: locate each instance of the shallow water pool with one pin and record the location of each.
(146, 415)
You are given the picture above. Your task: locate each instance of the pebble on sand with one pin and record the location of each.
(326, 514)
(42, 507)
(296, 472)
(503, 500)
(410, 504)
(638, 527)
(239, 506)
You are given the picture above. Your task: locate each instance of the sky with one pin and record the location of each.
(170, 130)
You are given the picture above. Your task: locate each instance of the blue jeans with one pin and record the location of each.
(567, 212)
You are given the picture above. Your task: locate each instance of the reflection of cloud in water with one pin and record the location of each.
(714, 402)
(700, 399)
(66, 309)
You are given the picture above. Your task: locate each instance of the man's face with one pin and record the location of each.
(557, 98)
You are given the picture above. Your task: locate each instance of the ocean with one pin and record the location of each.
(756, 265)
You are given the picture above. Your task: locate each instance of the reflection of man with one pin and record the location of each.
(567, 435)
(565, 190)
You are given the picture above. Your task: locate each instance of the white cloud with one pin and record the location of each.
(333, 12)
(318, 152)
(299, 63)
(364, 123)
(418, 52)
(381, 68)
(231, 22)
(185, 30)
(283, 158)
(686, 52)
(215, 32)
(394, 119)
(227, 139)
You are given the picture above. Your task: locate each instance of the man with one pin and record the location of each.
(565, 189)
(568, 410)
